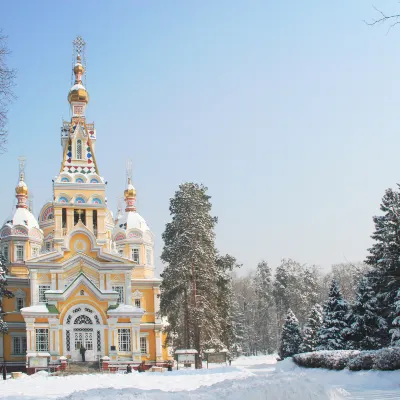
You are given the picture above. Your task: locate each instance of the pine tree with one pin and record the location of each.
(384, 257)
(311, 329)
(225, 302)
(330, 336)
(366, 326)
(265, 319)
(290, 337)
(395, 331)
(189, 292)
(4, 292)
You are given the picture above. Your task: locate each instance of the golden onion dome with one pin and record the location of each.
(130, 191)
(78, 93)
(22, 188)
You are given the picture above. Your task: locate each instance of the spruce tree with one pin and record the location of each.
(330, 336)
(225, 302)
(265, 319)
(311, 329)
(4, 292)
(290, 337)
(189, 291)
(366, 325)
(384, 257)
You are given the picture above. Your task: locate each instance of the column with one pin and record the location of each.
(101, 280)
(128, 288)
(30, 334)
(53, 281)
(112, 338)
(156, 291)
(135, 340)
(34, 297)
(53, 333)
(70, 219)
(108, 281)
(89, 219)
(158, 336)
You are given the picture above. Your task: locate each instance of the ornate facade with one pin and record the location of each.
(80, 276)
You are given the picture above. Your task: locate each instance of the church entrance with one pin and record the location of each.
(83, 328)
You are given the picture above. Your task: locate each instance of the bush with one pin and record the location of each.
(330, 359)
(386, 359)
(364, 360)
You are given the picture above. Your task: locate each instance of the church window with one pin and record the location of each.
(83, 319)
(137, 303)
(20, 252)
(121, 252)
(82, 292)
(79, 149)
(94, 180)
(95, 222)
(120, 290)
(96, 318)
(148, 256)
(48, 246)
(64, 217)
(69, 319)
(135, 256)
(42, 293)
(124, 339)
(19, 345)
(68, 340)
(82, 214)
(143, 345)
(5, 252)
(98, 341)
(64, 180)
(79, 180)
(20, 303)
(42, 339)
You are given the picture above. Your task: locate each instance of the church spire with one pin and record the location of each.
(78, 96)
(22, 189)
(130, 197)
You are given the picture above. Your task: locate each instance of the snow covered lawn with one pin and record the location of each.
(248, 378)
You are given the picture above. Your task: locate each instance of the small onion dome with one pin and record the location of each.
(78, 92)
(21, 188)
(78, 68)
(130, 191)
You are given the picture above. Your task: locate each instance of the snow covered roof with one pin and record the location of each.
(125, 309)
(23, 216)
(77, 86)
(40, 308)
(186, 351)
(133, 220)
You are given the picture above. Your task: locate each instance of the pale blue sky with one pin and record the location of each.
(288, 111)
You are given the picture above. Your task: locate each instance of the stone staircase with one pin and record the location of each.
(80, 367)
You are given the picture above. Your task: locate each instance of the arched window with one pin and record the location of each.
(79, 149)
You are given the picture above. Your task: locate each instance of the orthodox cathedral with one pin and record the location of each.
(80, 277)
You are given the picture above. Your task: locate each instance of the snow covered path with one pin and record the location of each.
(249, 378)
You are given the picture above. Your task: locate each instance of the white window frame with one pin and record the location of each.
(5, 253)
(21, 300)
(48, 246)
(136, 251)
(41, 293)
(19, 246)
(19, 345)
(138, 303)
(124, 339)
(144, 344)
(42, 339)
(34, 251)
(120, 289)
(120, 251)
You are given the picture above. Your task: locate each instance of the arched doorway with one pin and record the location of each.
(83, 327)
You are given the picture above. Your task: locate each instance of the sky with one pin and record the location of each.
(287, 111)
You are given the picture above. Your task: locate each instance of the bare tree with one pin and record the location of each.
(392, 19)
(7, 77)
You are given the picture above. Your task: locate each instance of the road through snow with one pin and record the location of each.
(248, 377)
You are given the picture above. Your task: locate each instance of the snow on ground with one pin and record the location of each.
(249, 377)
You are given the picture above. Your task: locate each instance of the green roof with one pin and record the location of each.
(113, 307)
(52, 309)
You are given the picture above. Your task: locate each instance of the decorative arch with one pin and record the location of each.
(63, 198)
(20, 230)
(65, 178)
(6, 231)
(134, 234)
(79, 200)
(47, 214)
(80, 178)
(96, 199)
(119, 236)
(35, 234)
